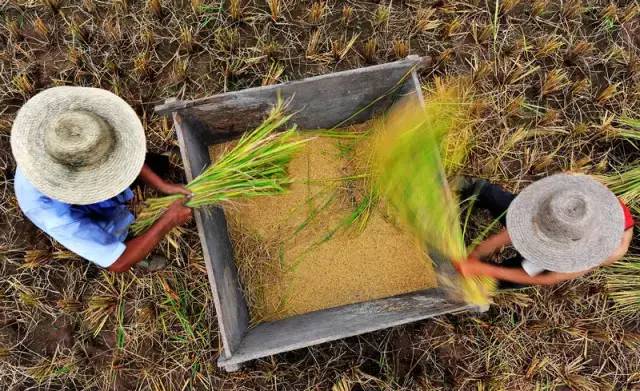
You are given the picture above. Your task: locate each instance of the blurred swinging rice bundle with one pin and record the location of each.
(256, 166)
(409, 173)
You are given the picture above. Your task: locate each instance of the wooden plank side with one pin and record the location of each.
(195, 155)
(231, 308)
(414, 86)
(341, 322)
(171, 105)
(316, 103)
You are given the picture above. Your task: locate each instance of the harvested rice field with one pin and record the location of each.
(295, 256)
(556, 87)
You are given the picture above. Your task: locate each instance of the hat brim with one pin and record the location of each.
(84, 185)
(566, 256)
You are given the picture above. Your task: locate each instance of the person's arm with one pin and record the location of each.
(139, 248)
(490, 245)
(475, 267)
(152, 179)
(622, 249)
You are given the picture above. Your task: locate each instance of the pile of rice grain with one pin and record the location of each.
(306, 273)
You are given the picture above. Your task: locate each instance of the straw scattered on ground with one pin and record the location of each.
(552, 79)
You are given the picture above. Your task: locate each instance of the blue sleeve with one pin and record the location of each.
(77, 233)
(87, 239)
(72, 228)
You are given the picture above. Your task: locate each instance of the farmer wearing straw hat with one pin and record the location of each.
(562, 227)
(78, 150)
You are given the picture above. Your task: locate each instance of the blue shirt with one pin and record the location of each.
(95, 232)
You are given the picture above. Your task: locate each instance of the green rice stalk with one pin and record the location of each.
(626, 185)
(632, 122)
(410, 175)
(629, 134)
(623, 283)
(121, 335)
(629, 131)
(325, 201)
(256, 166)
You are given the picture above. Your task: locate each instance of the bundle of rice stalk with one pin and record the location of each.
(625, 185)
(632, 134)
(256, 166)
(623, 283)
(409, 174)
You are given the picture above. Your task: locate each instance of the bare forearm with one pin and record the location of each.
(483, 250)
(491, 245)
(151, 178)
(140, 247)
(519, 276)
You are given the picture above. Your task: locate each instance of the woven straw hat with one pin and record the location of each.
(78, 145)
(566, 223)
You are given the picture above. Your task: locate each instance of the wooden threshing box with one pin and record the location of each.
(318, 103)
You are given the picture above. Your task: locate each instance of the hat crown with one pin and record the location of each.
(79, 139)
(565, 215)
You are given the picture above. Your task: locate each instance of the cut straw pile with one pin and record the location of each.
(410, 175)
(631, 131)
(256, 166)
(626, 185)
(623, 283)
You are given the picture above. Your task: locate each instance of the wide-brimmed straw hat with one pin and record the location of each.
(566, 223)
(78, 145)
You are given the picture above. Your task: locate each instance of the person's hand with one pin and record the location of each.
(469, 267)
(178, 213)
(174, 188)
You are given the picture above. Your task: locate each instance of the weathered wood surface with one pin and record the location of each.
(194, 151)
(319, 102)
(340, 322)
(413, 86)
(231, 308)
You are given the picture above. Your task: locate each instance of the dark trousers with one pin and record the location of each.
(497, 200)
(157, 163)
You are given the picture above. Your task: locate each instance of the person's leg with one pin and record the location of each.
(159, 164)
(493, 198)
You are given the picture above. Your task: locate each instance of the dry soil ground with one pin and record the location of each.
(550, 78)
